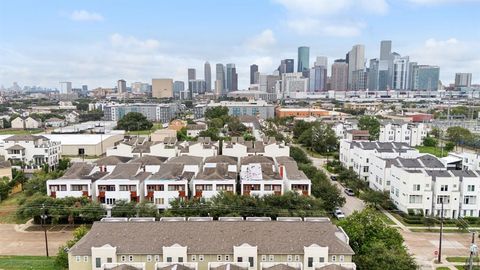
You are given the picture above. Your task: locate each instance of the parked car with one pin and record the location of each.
(333, 177)
(349, 192)
(338, 213)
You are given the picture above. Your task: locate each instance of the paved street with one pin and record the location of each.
(15, 242)
(352, 204)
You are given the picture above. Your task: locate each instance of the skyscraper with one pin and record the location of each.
(162, 88)
(220, 77)
(192, 74)
(463, 79)
(234, 79)
(230, 77)
(303, 59)
(197, 87)
(253, 69)
(65, 87)
(339, 75)
(318, 79)
(321, 61)
(121, 86)
(178, 88)
(286, 66)
(424, 77)
(208, 76)
(356, 61)
(385, 49)
(400, 72)
(378, 75)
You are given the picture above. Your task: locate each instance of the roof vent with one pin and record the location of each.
(230, 219)
(316, 219)
(259, 219)
(289, 219)
(200, 219)
(172, 219)
(142, 219)
(114, 219)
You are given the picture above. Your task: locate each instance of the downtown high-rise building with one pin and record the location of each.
(178, 88)
(321, 61)
(208, 76)
(121, 86)
(424, 77)
(231, 78)
(65, 87)
(463, 79)
(385, 49)
(378, 75)
(220, 79)
(318, 79)
(356, 62)
(286, 66)
(253, 71)
(339, 76)
(399, 72)
(192, 74)
(303, 60)
(196, 87)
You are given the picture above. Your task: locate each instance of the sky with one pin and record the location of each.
(97, 42)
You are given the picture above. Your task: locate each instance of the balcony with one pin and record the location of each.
(181, 193)
(53, 194)
(198, 194)
(101, 194)
(150, 194)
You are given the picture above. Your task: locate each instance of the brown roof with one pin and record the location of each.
(123, 267)
(124, 171)
(221, 159)
(150, 237)
(78, 170)
(111, 160)
(256, 159)
(149, 160)
(219, 172)
(16, 147)
(280, 266)
(26, 137)
(228, 266)
(170, 171)
(332, 267)
(186, 160)
(176, 266)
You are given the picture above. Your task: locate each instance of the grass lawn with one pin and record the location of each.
(442, 268)
(460, 259)
(386, 219)
(438, 230)
(27, 262)
(432, 150)
(146, 132)
(19, 131)
(460, 267)
(8, 208)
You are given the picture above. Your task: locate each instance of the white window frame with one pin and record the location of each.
(149, 258)
(289, 258)
(193, 258)
(123, 258)
(271, 258)
(201, 258)
(264, 258)
(334, 258)
(85, 258)
(78, 259)
(130, 258)
(297, 258)
(219, 258)
(341, 258)
(157, 258)
(227, 258)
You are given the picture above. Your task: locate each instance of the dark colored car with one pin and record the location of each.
(333, 177)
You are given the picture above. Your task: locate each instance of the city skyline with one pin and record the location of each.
(89, 42)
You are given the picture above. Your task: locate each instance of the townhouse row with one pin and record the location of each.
(174, 243)
(160, 180)
(418, 183)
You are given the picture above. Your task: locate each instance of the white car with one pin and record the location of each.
(338, 214)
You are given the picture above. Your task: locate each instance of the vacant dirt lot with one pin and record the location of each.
(13, 242)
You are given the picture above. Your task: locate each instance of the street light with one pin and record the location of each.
(43, 221)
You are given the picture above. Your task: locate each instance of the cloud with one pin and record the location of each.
(452, 55)
(262, 41)
(129, 42)
(83, 15)
(439, 2)
(327, 18)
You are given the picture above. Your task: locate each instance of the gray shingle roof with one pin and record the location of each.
(281, 267)
(78, 170)
(149, 160)
(124, 171)
(186, 160)
(123, 267)
(221, 159)
(256, 159)
(26, 137)
(150, 237)
(461, 173)
(438, 173)
(228, 266)
(111, 160)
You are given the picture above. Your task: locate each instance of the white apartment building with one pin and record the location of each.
(25, 123)
(341, 128)
(269, 147)
(401, 132)
(219, 174)
(76, 182)
(356, 155)
(258, 177)
(32, 150)
(203, 147)
(140, 146)
(294, 179)
(462, 161)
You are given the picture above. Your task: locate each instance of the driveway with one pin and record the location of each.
(352, 203)
(31, 243)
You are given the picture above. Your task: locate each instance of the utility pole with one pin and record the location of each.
(441, 233)
(43, 217)
(473, 251)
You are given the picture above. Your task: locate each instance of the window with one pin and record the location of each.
(169, 259)
(471, 188)
(415, 199)
(193, 258)
(109, 260)
(250, 261)
(443, 198)
(341, 258)
(239, 259)
(123, 258)
(110, 201)
(321, 259)
(297, 258)
(201, 258)
(264, 258)
(149, 258)
(98, 262)
(227, 258)
(334, 258)
(289, 258)
(157, 258)
(130, 258)
(219, 258)
(77, 258)
(310, 262)
(271, 258)
(469, 199)
(85, 258)
(180, 259)
(365, 169)
(416, 187)
(444, 188)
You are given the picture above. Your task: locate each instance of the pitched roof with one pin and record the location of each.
(126, 171)
(219, 172)
(281, 266)
(78, 170)
(25, 137)
(228, 266)
(186, 160)
(169, 171)
(221, 159)
(111, 160)
(256, 159)
(131, 237)
(176, 266)
(332, 267)
(149, 160)
(123, 267)
(16, 147)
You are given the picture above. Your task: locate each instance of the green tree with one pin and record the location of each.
(92, 211)
(182, 134)
(5, 188)
(371, 124)
(63, 164)
(235, 127)
(61, 260)
(146, 209)
(430, 141)
(216, 112)
(324, 139)
(94, 115)
(458, 135)
(376, 245)
(123, 208)
(449, 146)
(211, 132)
(436, 132)
(299, 128)
(134, 121)
(375, 198)
(299, 155)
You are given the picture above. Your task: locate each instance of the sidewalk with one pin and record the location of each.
(396, 221)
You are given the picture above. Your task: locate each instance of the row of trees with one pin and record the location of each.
(316, 136)
(217, 119)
